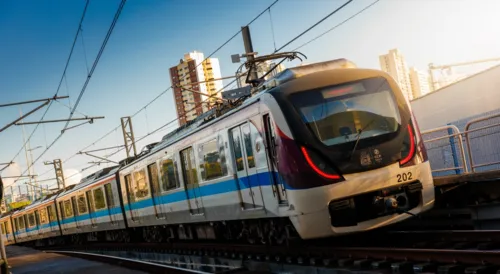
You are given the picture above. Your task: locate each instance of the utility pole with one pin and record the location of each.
(250, 54)
(59, 172)
(128, 136)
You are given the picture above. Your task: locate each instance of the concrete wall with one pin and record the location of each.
(469, 97)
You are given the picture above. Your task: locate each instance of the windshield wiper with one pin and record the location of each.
(359, 137)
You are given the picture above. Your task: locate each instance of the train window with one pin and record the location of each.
(74, 205)
(141, 185)
(31, 220)
(52, 213)
(211, 165)
(37, 217)
(130, 188)
(245, 129)
(238, 155)
(43, 216)
(109, 195)
(100, 203)
(169, 179)
(189, 166)
(3, 228)
(82, 204)
(61, 209)
(258, 146)
(153, 178)
(90, 201)
(7, 225)
(68, 209)
(21, 222)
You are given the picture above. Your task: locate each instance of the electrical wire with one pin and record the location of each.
(60, 82)
(336, 26)
(115, 19)
(314, 25)
(96, 61)
(169, 88)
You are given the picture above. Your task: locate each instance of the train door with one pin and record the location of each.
(276, 180)
(91, 207)
(246, 171)
(110, 201)
(130, 186)
(154, 185)
(190, 175)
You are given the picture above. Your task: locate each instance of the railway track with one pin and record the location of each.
(142, 265)
(408, 257)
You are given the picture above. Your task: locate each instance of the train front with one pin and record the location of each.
(349, 151)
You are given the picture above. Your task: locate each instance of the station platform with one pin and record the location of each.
(23, 260)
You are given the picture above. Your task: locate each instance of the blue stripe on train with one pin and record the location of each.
(260, 179)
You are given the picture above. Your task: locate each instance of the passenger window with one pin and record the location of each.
(141, 184)
(109, 195)
(245, 129)
(43, 216)
(7, 225)
(21, 222)
(211, 165)
(61, 209)
(238, 155)
(68, 209)
(82, 205)
(169, 179)
(3, 228)
(189, 167)
(31, 220)
(37, 217)
(90, 200)
(130, 188)
(51, 212)
(75, 206)
(153, 178)
(99, 199)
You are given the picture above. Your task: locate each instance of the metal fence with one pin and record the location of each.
(475, 149)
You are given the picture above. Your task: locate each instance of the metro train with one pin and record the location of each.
(318, 150)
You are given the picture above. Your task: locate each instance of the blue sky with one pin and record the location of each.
(151, 36)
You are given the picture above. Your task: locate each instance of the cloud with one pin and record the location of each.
(73, 176)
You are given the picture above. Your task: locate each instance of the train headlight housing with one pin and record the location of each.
(319, 166)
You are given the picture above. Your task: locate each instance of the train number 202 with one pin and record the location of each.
(404, 177)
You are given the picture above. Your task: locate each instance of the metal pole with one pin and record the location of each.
(2, 246)
(247, 40)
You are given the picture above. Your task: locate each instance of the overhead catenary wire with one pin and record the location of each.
(96, 61)
(60, 82)
(314, 25)
(170, 87)
(338, 25)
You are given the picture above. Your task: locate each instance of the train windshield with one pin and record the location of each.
(345, 113)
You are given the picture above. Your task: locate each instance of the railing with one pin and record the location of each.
(477, 148)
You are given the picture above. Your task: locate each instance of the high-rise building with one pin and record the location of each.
(193, 83)
(394, 63)
(262, 69)
(419, 82)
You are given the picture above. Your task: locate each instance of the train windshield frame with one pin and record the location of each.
(349, 112)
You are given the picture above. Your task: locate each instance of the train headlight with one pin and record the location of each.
(319, 166)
